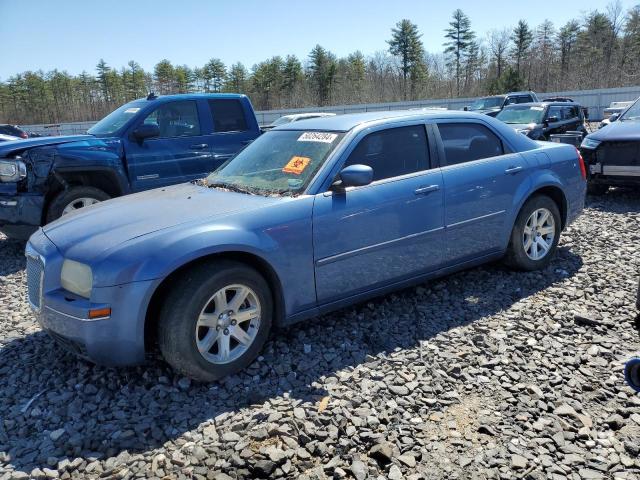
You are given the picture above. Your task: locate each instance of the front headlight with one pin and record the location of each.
(12, 170)
(77, 278)
(590, 143)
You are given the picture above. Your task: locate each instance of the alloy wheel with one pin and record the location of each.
(79, 203)
(538, 234)
(228, 324)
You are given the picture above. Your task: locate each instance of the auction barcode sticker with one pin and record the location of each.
(323, 137)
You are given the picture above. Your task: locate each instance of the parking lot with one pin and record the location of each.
(484, 374)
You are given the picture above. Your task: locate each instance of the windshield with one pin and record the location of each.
(486, 103)
(282, 121)
(524, 114)
(633, 113)
(276, 163)
(116, 119)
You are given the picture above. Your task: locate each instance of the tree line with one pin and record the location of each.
(599, 50)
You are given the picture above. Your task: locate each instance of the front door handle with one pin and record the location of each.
(199, 146)
(513, 170)
(427, 189)
(220, 156)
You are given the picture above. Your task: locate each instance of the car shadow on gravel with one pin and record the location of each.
(616, 200)
(55, 406)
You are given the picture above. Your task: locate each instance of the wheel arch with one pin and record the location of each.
(250, 259)
(555, 193)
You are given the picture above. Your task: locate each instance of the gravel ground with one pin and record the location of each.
(484, 374)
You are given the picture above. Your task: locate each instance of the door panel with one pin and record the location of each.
(178, 155)
(478, 199)
(384, 232)
(480, 181)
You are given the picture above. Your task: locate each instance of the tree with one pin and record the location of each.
(498, 41)
(460, 37)
(322, 71)
(164, 75)
(566, 40)
(103, 70)
(521, 38)
(405, 44)
(214, 74)
(236, 79)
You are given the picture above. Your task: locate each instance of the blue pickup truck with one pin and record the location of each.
(144, 144)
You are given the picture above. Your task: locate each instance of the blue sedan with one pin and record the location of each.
(310, 217)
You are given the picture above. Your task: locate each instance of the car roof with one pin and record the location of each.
(543, 104)
(344, 123)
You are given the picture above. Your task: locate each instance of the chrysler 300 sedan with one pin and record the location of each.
(310, 217)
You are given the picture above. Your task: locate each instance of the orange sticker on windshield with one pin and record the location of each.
(296, 165)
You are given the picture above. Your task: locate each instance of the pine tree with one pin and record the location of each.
(405, 43)
(521, 38)
(322, 72)
(460, 38)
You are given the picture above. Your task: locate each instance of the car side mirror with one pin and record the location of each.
(466, 109)
(614, 117)
(146, 131)
(354, 176)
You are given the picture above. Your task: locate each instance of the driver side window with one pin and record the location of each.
(175, 119)
(392, 152)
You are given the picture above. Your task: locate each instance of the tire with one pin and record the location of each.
(74, 194)
(597, 189)
(194, 296)
(523, 258)
(632, 373)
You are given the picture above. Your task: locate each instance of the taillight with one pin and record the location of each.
(583, 169)
(24, 135)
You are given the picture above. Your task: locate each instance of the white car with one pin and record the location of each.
(297, 117)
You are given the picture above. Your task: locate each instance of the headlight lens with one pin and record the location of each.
(77, 278)
(590, 143)
(12, 170)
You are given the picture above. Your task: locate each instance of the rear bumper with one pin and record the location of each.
(20, 215)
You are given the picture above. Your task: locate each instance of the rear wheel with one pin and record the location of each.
(74, 199)
(535, 234)
(215, 320)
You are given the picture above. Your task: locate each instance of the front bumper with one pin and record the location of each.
(117, 340)
(20, 215)
(616, 163)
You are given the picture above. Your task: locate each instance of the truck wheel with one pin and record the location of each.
(535, 234)
(597, 189)
(73, 199)
(215, 320)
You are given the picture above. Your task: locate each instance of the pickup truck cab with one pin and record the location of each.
(144, 144)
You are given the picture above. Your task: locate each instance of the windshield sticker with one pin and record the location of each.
(296, 165)
(323, 137)
(131, 110)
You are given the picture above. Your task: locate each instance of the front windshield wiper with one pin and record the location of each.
(230, 186)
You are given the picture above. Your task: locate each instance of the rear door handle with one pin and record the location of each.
(513, 170)
(199, 146)
(220, 156)
(427, 189)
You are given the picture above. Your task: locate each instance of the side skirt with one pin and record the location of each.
(376, 292)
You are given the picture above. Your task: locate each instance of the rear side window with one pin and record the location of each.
(176, 119)
(525, 99)
(570, 113)
(555, 111)
(466, 142)
(392, 152)
(228, 115)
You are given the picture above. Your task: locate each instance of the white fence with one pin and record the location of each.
(595, 100)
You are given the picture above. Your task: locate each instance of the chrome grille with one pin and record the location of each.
(35, 272)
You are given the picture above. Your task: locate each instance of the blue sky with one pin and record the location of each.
(73, 35)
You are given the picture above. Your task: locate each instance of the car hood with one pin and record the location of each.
(92, 230)
(487, 111)
(9, 148)
(618, 131)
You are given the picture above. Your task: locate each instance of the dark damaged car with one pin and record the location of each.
(612, 154)
(145, 144)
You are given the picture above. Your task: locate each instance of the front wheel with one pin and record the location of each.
(535, 234)
(215, 320)
(74, 199)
